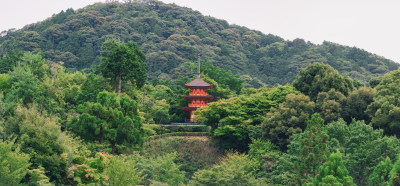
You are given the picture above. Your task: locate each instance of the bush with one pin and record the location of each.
(178, 134)
(163, 129)
(194, 153)
(235, 169)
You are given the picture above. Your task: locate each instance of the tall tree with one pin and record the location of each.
(313, 147)
(123, 62)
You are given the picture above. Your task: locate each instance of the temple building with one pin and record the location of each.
(198, 97)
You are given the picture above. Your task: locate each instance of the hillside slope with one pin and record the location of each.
(170, 35)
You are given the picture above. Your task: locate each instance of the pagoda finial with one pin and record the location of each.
(198, 66)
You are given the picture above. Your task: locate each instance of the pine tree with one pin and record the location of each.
(313, 148)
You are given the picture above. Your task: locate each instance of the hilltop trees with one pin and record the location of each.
(122, 62)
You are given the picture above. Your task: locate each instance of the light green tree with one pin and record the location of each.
(121, 170)
(380, 175)
(13, 164)
(333, 172)
(234, 169)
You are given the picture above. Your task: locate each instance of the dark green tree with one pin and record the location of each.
(93, 85)
(356, 104)
(318, 78)
(385, 109)
(110, 118)
(289, 118)
(329, 105)
(123, 62)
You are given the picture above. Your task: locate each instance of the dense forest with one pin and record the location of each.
(87, 97)
(170, 36)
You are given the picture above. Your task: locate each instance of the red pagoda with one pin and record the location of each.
(198, 97)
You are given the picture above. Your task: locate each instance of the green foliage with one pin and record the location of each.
(232, 119)
(225, 79)
(38, 177)
(110, 118)
(13, 163)
(234, 169)
(318, 78)
(5, 82)
(380, 175)
(385, 109)
(123, 62)
(160, 169)
(356, 104)
(96, 170)
(259, 147)
(394, 174)
(92, 86)
(363, 147)
(313, 147)
(121, 170)
(9, 61)
(194, 152)
(24, 86)
(289, 118)
(329, 105)
(178, 134)
(40, 136)
(333, 172)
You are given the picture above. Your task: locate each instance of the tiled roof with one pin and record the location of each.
(198, 82)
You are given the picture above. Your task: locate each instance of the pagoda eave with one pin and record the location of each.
(188, 86)
(197, 97)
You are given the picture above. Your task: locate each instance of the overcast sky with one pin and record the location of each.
(370, 25)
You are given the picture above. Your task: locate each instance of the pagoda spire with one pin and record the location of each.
(198, 66)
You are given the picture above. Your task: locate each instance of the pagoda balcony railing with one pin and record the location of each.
(198, 94)
(197, 105)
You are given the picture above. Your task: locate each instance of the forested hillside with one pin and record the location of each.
(170, 35)
(77, 106)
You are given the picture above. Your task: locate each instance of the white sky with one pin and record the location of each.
(367, 24)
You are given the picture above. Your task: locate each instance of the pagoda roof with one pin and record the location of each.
(201, 97)
(198, 82)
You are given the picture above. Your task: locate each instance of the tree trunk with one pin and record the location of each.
(101, 135)
(119, 86)
(112, 147)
